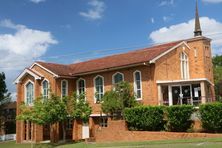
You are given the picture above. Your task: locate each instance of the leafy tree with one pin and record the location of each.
(54, 110)
(81, 109)
(5, 97)
(217, 67)
(49, 111)
(117, 99)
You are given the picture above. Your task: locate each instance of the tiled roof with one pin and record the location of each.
(114, 61)
(59, 69)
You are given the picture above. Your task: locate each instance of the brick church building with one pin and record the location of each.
(178, 72)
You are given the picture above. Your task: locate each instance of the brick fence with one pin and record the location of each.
(117, 132)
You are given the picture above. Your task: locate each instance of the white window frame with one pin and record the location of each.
(43, 88)
(77, 86)
(25, 99)
(135, 85)
(113, 77)
(67, 86)
(184, 71)
(94, 82)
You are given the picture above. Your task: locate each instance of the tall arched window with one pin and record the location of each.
(137, 85)
(45, 89)
(118, 77)
(81, 86)
(184, 66)
(64, 88)
(98, 88)
(29, 93)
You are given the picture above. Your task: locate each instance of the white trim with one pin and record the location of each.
(181, 81)
(25, 95)
(97, 115)
(116, 74)
(17, 80)
(171, 49)
(134, 84)
(67, 86)
(77, 86)
(94, 82)
(55, 75)
(186, 72)
(48, 86)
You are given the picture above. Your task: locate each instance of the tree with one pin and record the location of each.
(120, 97)
(35, 114)
(217, 68)
(81, 109)
(54, 110)
(49, 111)
(5, 97)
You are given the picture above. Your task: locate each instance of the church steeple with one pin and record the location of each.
(197, 31)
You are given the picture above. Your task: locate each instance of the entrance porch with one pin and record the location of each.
(193, 92)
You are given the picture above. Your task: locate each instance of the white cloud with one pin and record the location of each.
(96, 10)
(212, 1)
(37, 1)
(21, 48)
(166, 2)
(167, 18)
(152, 20)
(211, 28)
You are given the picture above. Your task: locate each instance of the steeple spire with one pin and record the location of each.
(197, 31)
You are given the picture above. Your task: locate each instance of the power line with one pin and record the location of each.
(99, 51)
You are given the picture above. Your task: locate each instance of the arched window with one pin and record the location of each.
(81, 86)
(98, 88)
(29, 87)
(184, 66)
(137, 85)
(64, 88)
(45, 89)
(118, 77)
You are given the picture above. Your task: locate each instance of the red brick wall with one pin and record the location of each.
(117, 132)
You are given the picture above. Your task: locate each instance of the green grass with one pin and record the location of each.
(185, 143)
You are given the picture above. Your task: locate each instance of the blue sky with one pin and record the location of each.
(67, 31)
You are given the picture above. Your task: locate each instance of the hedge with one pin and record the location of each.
(178, 118)
(211, 117)
(146, 118)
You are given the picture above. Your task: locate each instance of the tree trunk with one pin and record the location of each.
(32, 134)
(64, 131)
(53, 133)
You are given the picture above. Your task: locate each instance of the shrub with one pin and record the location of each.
(147, 118)
(114, 101)
(211, 117)
(178, 118)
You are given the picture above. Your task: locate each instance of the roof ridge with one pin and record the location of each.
(132, 51)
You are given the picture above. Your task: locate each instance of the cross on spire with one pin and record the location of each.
(197, 31)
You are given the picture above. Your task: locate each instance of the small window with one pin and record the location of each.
(29, 93)
(138, 85)
(184, 66)
(117, 77)
(99, 88)
(103, 121)
(81, 86)
(45, 89)
(64, 87)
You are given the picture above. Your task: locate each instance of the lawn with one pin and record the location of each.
(186, 143)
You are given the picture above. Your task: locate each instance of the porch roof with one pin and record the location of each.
(183, 81)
